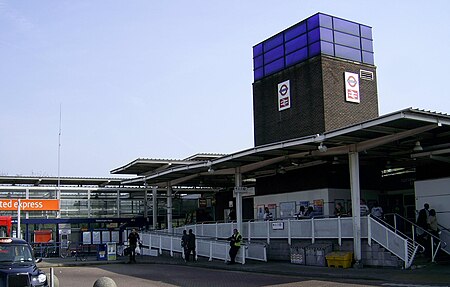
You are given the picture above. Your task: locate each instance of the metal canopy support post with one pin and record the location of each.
(155, 206)
(89, 203)
(146, 203)
(118, 203)
(238, 183)
(355, 195)
(169, 208)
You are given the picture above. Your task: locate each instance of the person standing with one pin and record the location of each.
(133, 239)
(191, 246)
(339, 210)
(184, 245)
(267, 214)
(363, 208)
(377, 211)
(235, 245)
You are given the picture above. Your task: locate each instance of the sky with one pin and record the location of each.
(88, 86)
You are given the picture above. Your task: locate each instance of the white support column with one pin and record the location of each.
(238, 183)
(27, 196)
(169, 208)
(118, 203)
(146, 203)
(155, 206)
(356, 196)
(89, 203)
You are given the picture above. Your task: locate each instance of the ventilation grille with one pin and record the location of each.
(366, 75)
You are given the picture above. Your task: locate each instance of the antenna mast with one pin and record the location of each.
(58, 192)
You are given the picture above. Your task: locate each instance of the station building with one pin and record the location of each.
(319, 140)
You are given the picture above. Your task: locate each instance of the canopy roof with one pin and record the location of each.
(402, 139)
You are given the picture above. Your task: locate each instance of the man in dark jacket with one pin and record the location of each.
(235, 245)
(184, 244)
(133, 239)
(191, 246)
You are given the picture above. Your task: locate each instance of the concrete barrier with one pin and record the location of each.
(105, 282)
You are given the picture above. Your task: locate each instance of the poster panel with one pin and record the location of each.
(352, 87)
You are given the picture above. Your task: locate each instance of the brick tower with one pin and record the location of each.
(316, 76)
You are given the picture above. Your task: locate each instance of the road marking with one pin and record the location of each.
(411, 285)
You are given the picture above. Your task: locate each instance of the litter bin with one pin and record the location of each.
(315, 254)
(101, 252)
(112, 251)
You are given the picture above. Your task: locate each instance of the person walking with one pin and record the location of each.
(184, 245)
(133, 239)
(191, 246)
(235, 245)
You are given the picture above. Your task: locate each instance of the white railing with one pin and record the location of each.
(210, 248)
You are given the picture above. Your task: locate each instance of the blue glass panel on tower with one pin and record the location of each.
(325, 21)
(366, 45)
(313, 36)
(273, 42)
(347, 40)
(295, 31)
(367, 57)
(258, 73)
(326, 34)
(296, 43)
(346, 26)
(313, 22)
(274, 54)
(257, 49)
(327, 48)
(314, 49)
(258, 62)
(273, 67)
(347, 53)
(297, 56)
(366, 32)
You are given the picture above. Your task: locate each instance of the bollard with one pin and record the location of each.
(54, 281)
(105, 282)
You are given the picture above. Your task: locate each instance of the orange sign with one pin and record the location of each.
(29, 204)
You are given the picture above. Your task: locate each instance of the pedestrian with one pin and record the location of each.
(309, 212)
(235, 245)
(232, 214)
(191, 246)
(301, 212)
(363, 208)
(432, 223)
(267, 214)
(133, 239)
(377, 211)
(339, 210)
(184, 244)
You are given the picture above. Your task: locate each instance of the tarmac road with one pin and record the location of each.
(137, 275)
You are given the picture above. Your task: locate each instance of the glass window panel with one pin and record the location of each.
(313, 22)
(367, 45)
(314, 49)
(257, 50)
(346, 26)
(366, 32)
(258, 74)
(368, 58)
(297, 56)
(314, 35)
(347, 53)
(274, 54)
(326, 34)
(325, 21)
(273, 42)
(347, 40)
(274, 67)
(327, 48)
(258, 62)
(296, 44)
(295, 31)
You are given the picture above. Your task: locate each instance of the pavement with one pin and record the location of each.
(426, 273)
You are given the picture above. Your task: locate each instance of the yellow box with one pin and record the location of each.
(339, 259)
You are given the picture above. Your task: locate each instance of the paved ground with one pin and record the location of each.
(437, 274)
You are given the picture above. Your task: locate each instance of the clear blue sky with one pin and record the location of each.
(169, 79)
